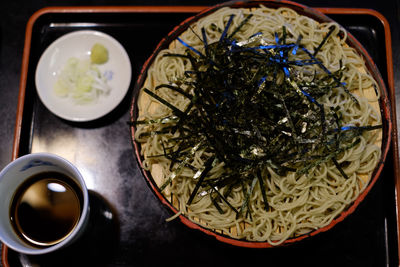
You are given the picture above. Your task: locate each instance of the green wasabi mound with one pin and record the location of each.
(99, 54)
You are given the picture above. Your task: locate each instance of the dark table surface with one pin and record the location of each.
(14, 15)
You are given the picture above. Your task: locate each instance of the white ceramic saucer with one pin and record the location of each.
(78, 44)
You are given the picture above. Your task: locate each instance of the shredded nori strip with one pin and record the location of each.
(250, 110)
(262, 188)
(247, 195)
(207, 168)
(331, 29)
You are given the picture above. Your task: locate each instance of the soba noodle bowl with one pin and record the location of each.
(298, 201)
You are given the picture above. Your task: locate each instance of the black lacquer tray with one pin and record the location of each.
(128, 225)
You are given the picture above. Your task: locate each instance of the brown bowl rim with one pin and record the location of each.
(319, 16)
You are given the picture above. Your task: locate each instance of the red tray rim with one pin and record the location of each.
(196, 9)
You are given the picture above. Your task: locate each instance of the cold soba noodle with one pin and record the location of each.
(297, 196)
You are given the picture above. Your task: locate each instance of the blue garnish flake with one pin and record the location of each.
(226, 28)
(190, 47)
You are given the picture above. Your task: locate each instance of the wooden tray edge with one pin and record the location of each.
(194, 9)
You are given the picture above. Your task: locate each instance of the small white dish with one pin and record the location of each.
(78, 44)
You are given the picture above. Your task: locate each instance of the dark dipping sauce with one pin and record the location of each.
(46, 208)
